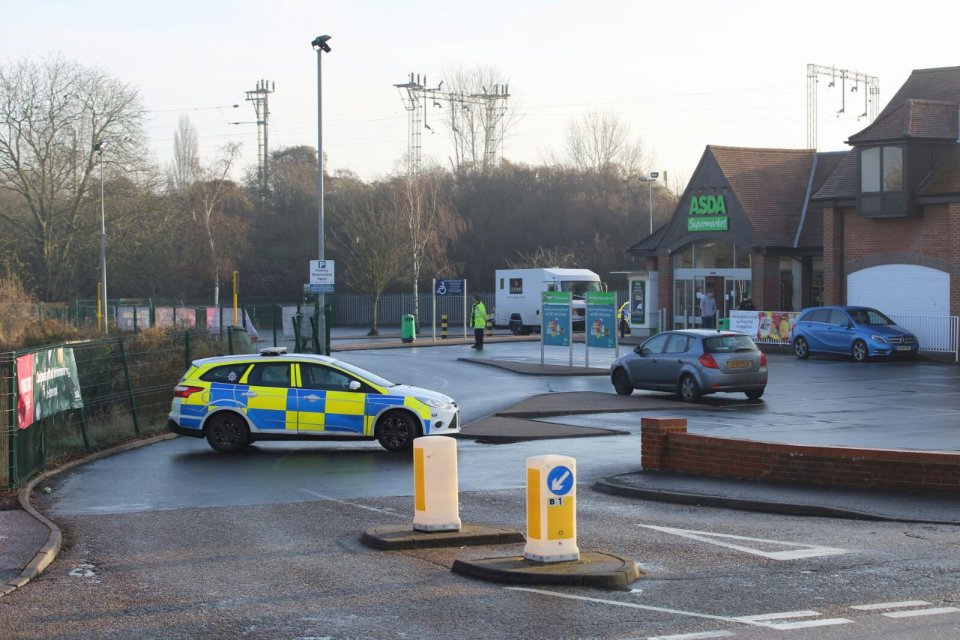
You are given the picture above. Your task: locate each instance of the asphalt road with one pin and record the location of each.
(175, 541)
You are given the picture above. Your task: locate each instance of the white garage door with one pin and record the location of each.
(901, 289)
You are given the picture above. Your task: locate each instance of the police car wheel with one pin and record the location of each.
(396, 431)
(227, 432)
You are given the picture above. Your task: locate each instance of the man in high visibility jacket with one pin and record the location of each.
(478, 320)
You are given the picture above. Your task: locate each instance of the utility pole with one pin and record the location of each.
(416, 96)
(260, 99)
(871, 95)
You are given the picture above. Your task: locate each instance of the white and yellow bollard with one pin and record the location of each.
(551, 509)
(435, 484)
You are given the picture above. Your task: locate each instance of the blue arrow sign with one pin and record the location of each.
(560, 480)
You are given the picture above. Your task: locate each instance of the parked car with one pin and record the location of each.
(233, 401)
(860, 332)
(691, 363)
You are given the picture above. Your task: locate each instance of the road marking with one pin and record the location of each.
(703, 635)
(912, 613)
(353, 504)
(777, 620)
(633, 605)
(800, 550)
(767, 620)
(890, 605)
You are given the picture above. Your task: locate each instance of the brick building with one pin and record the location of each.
(877, 225)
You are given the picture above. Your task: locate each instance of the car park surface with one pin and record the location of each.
(860, 332)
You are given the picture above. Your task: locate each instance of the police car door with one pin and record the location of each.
(326, 404)
(266, 397)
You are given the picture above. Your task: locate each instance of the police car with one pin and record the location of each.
(233, 401)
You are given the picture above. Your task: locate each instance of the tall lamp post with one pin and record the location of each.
(98, 147)
(653, 178)
(320, 45)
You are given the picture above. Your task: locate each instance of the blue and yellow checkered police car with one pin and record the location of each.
(233, 401)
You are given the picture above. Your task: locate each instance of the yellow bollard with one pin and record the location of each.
(443, 326)
(435, 497)
(489, 327)
(551, 509)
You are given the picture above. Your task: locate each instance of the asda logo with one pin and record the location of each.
(707, 205)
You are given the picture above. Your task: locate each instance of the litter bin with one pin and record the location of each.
(408, 332)
(723, 324)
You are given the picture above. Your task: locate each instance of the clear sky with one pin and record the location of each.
(682, 74)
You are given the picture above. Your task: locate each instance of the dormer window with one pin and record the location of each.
(881, 169)
(881, 182)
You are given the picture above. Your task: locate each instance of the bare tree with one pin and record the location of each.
(366, 244)
(186, 155)
(545, 257)
(601, 142)
(480, 115)
(52, 115)
(430, 222)
(204, 200)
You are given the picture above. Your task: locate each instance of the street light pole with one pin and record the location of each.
(320, 44)
(653, 178)
(103, 244)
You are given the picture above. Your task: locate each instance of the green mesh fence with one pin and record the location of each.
(126, 384)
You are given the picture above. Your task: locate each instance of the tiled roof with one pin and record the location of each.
(843, 183)
(913, 118)
(927, 84)
(771, 186)
(811, 234)
(944, 179)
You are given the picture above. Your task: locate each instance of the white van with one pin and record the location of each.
(518, 295)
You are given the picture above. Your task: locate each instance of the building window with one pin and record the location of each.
(881, 169)
(892, 169)
(712, 254)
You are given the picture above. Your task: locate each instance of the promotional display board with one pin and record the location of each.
(601, 324)
(555, 316)
(47, 383)
(556, 322)
(764, 326)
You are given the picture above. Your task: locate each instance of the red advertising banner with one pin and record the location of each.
(25, 391)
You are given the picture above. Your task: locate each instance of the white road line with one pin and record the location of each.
(354, 504)
(780, 616)
(775, 620)
(703, 635)
(890, 605)
(805, 624)
(632, 605)
(920, 612)
(801, 550)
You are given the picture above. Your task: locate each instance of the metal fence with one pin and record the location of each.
(940, 334)
(126, 384)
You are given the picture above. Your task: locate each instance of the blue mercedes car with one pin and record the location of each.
(860, 332)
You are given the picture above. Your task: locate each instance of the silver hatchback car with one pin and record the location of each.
(692, 363)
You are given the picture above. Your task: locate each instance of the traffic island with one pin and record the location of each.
(593, 569)
(399, 537)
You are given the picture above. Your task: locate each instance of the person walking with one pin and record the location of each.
(708, 311)
(478, 320)
(747, 304)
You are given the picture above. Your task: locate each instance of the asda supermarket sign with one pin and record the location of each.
(708, 213)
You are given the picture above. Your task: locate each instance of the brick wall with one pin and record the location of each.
(666, 446)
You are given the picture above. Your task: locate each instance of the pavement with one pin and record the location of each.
(29, 542)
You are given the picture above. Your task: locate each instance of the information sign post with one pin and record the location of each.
(446, 289)
(556, 322)
(601, 322)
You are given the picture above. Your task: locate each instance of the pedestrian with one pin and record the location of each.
(478, 320)
(746, 304)
(623, 315)
(708, 311)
